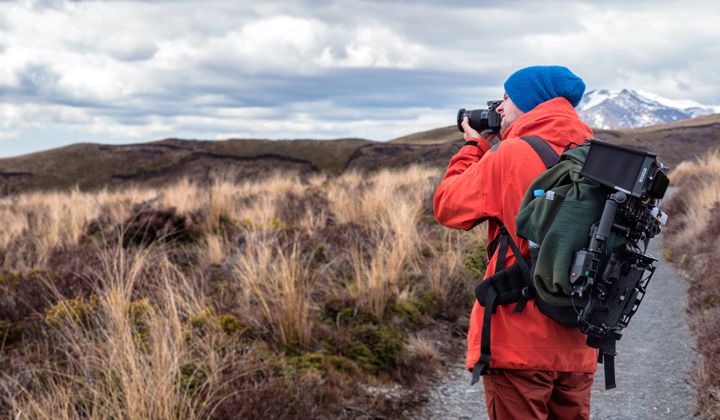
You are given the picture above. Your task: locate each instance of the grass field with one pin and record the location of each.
(692, 241)
(292, 297)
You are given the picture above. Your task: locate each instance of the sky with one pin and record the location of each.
(122, 72)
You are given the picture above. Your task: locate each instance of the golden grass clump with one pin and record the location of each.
(392, 203)
(132, 362)
(707, 166)
(449, 259)
(420, 348)
(692, 243)
(36, 223)
(702, 176)
(357, 198)
(216, 250)
(279, 283)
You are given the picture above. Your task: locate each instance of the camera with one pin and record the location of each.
(481, 119)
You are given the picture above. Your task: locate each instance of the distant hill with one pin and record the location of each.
(91, 166)
(437, 135)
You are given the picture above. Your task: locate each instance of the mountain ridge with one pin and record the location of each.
(627, 108)
(90, 166)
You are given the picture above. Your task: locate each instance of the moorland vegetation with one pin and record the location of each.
(692, 240)
(287, 296)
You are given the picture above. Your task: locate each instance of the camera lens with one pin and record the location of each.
(480, 119)
(460, 114)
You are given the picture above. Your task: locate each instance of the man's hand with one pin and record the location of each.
(471, 133)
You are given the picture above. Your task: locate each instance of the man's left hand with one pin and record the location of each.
(471, 133)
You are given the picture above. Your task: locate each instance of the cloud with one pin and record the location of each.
(135, 70)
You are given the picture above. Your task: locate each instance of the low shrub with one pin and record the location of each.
(691, 240)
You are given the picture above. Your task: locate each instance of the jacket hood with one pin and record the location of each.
(555, 121)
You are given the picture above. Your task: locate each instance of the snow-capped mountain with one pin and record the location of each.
(631, 108)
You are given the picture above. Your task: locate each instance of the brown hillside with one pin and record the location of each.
(437, 135)
(91, 166)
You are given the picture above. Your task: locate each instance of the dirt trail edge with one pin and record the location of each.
(652, 368)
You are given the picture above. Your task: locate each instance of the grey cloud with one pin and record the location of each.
(37, 79)
(40, 5)
(118, 51)
(682, 85)
(352, 93)
(361, 88)
(134, 53)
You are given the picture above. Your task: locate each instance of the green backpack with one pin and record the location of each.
(557, 213)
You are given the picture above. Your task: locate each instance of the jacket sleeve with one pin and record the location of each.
(468, 192)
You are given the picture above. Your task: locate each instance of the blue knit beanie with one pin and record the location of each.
(531, 86)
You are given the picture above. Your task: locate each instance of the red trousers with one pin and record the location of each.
(537, 394)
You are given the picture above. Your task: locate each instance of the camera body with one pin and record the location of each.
(481, 119)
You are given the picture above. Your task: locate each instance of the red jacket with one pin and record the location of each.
(479, 184)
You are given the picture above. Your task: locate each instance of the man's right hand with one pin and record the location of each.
(471, 133)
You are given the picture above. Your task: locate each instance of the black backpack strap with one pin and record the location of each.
(503, 241)
(548, 155)
(483, 364)
(511, 284)
(502, 247)
(606, 356)
(608, 362)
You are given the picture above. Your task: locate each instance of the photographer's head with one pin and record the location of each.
(529, 87)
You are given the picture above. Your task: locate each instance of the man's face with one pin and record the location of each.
(509, 112)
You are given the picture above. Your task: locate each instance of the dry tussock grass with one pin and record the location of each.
(361, 199)
(692, 242)
(449, 259)
(125, 358)
(421, 347)
(707, 166)
(233, 300)
(279, 284)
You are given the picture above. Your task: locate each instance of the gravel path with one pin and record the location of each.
(654, 358)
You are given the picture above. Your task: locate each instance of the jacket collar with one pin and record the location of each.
(555, 121)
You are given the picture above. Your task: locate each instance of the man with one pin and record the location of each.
(539, 368)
